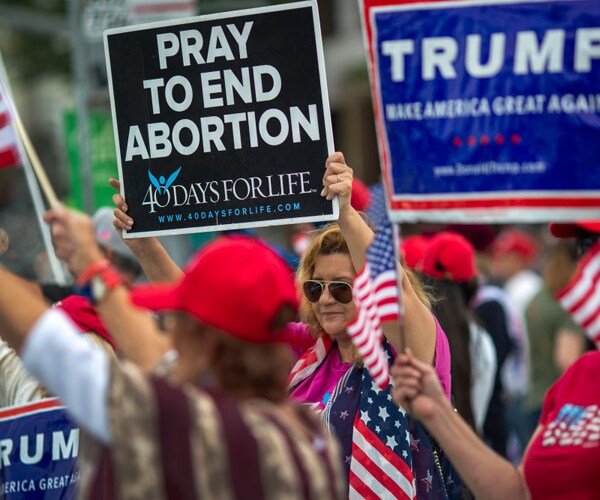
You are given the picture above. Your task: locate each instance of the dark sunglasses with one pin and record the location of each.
(339, 290)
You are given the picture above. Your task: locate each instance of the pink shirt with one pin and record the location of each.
(317, 387)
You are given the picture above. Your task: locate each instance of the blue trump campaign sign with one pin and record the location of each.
(487, 110)
(38, 452)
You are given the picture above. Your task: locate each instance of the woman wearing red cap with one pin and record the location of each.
(423, 334)
(159, 438)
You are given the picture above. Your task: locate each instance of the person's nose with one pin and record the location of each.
(326, 297)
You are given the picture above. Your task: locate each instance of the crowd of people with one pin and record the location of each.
(244, 380)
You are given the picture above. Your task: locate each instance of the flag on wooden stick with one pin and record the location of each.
(21, 138)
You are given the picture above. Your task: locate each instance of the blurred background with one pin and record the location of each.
(54, 57)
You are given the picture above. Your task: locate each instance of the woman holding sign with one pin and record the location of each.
(354, 235)
(330, 375)
(330, 367)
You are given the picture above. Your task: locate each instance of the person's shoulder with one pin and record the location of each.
(300, 337)
(586, 368)
(588, 359)
(300, 334)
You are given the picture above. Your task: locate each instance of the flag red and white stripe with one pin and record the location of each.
(581, 296)
(377, 298)
(365, 329)
(310, 360)
(376, 471)
(386, 296)
(9, 148)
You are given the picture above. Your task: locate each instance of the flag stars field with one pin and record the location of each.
(364, 416)
(391, 442)
(383, 413)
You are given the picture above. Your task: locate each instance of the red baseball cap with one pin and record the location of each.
(413, 249)
(449, 257)
(571, 230)
(84, 315)
(516, 241)
(236, 284)
(481, 236)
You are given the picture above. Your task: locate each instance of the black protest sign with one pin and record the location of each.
(221, 121)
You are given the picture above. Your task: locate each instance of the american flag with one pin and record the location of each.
(581, 296)
(9, 149)
(381, 257)
(377, 299)
(381, 464)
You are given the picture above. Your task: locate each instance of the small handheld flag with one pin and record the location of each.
(12, 117)
(377, 298)
(581, 296)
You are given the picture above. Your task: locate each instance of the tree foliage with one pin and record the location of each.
(31, 54)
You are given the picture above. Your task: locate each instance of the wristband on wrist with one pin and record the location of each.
(91, 271)
(97, 280)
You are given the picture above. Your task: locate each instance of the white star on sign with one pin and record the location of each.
(375, 388)
(364, 416)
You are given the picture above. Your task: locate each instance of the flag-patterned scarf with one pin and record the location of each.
(310, 360)
(386, 453)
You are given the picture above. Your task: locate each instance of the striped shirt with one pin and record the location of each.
(172, 442)
(151, 440)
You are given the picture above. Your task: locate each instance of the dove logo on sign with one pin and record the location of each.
(160, 184)
(158, 193)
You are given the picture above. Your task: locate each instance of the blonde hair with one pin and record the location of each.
(328, 241)
(425, 295)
